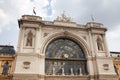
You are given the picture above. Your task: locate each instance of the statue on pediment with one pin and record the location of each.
(63, 18)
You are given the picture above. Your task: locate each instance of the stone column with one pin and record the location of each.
(71, 70)
(53, 70)
(80, 71)
(63, 71)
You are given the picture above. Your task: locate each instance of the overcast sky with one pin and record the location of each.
(106, 12)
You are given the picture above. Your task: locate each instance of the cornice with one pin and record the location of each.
(31, 54)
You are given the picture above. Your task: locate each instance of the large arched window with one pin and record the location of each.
(65, 57)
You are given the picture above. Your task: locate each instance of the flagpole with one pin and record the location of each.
(92, 18)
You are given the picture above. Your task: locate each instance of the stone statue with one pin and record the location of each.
(99, 44)
(29, 39)
(5, 68)
(63, 18)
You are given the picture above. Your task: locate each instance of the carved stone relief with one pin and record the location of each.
(84, 37)
(45, 34)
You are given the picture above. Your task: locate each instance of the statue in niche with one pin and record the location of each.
(99, 44)
(29, 39)
(5, 68)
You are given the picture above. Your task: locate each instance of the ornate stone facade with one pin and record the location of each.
(62, 50)
(7, 54)
(116, 62)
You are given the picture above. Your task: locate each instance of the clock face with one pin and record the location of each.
(65, 48)
(66, 55)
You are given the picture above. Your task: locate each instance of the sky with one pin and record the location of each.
(106, 12)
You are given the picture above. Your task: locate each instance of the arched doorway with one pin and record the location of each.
(64, 56)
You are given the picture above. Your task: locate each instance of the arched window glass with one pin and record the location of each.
(65, 57)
